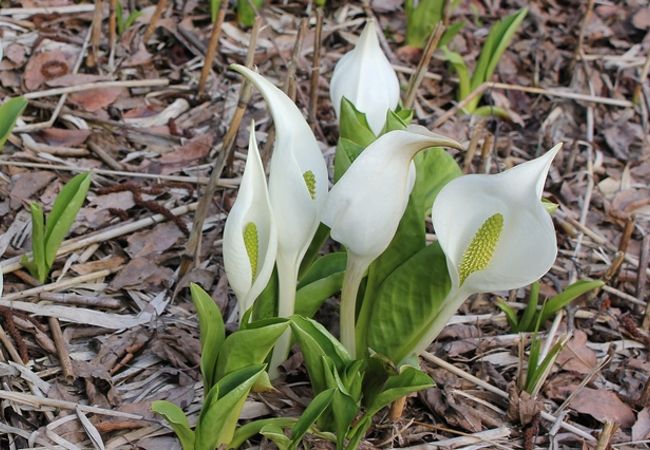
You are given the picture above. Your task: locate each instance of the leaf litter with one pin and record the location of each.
(147, 348)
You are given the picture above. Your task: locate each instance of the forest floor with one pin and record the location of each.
(114, 326)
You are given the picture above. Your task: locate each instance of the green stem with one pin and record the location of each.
(287, 277)
(354, 271)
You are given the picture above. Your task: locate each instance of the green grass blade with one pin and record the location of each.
(531, 308)
(37, 266)
(63, 214)
(511, 314)
(559, 301)
(177, 421)
(460, 67)
(9, 113)
(540, 371)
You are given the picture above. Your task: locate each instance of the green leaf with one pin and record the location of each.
(534, 373)
(37, 266)
(435, 168)
(346, 152)
(498, 40)
(177, 421)
(266, 304)
(354, 125)
(315, 342)
(511, 314)
(250, 346)
(409, 380)
(407, 303)
(458, 64)
(222, 407)
(323, 279)
(63, 214)
(397, 120)
(9, 113)
(131, 19)
(212, 333)
(277, 436)
(310, 415)
(246, 12)
(344, 407)
(559, 301)
(450, 33)
(421, 19)
(528, 319)
(322, 233)
(247, 431)
(214, 9)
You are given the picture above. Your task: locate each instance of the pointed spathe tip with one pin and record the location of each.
(368, 38)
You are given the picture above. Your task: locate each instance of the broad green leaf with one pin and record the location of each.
(407, 303)
(247, 431)
(409, 380)
(276, 435)
(315, 342)
(177, 420)
(222, 407)
(323, 279)
(421, 18)
(344, 407)
(559, 301)
(492, 111)
(354, 125)
(212, 333)
(322, 233)
(37, 266)
(528, 318)
(397, 120)
(457, 62)
(310, 415)
(435, 168)
(346, 152)
(246, 11)
(249, 346)
(266, 304)
(9, 113)
(63, 214)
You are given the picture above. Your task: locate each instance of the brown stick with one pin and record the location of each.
(418, 75)
(397, 409)
(153, 23)
(213, 45)
(112, 26)
(194, 241)
(61, 349)
(642, 278)
(315, 67)
(81, 300)
(11, 349)
(606, 435)
(91, 60)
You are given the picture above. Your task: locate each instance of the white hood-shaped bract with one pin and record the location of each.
(366, 78)
(365, 206)
(250, 236)
(296, 202)
(494, 230)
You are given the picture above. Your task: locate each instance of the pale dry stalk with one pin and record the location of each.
(213, 45)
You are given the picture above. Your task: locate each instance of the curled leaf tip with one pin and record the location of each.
(480, 251)
(251, 242)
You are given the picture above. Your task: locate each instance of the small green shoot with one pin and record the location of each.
(246, 11)
(122, 23)
(533, 315)
(538, 368)
(47, 235)
(500, 36)
(9, 113)
(422, 16)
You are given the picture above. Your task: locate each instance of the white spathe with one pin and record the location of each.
(526, 248)
(366, 78)
(252, 206)
(365, 206)
(295, 152)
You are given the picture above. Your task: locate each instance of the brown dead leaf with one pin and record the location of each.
(141, 273)
(177, 346)
(641, 19)
(576, 356)
(64, 137)
(153, 242)
(641, 428)
(603, 406)
(111, 262)
(623, 138)
(45, 66)
(97, 213)
(193, 151)
(95, 99)
(27, 184)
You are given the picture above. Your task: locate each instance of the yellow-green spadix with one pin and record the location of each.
(365, 206)
(250, 235)
(366, 78)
